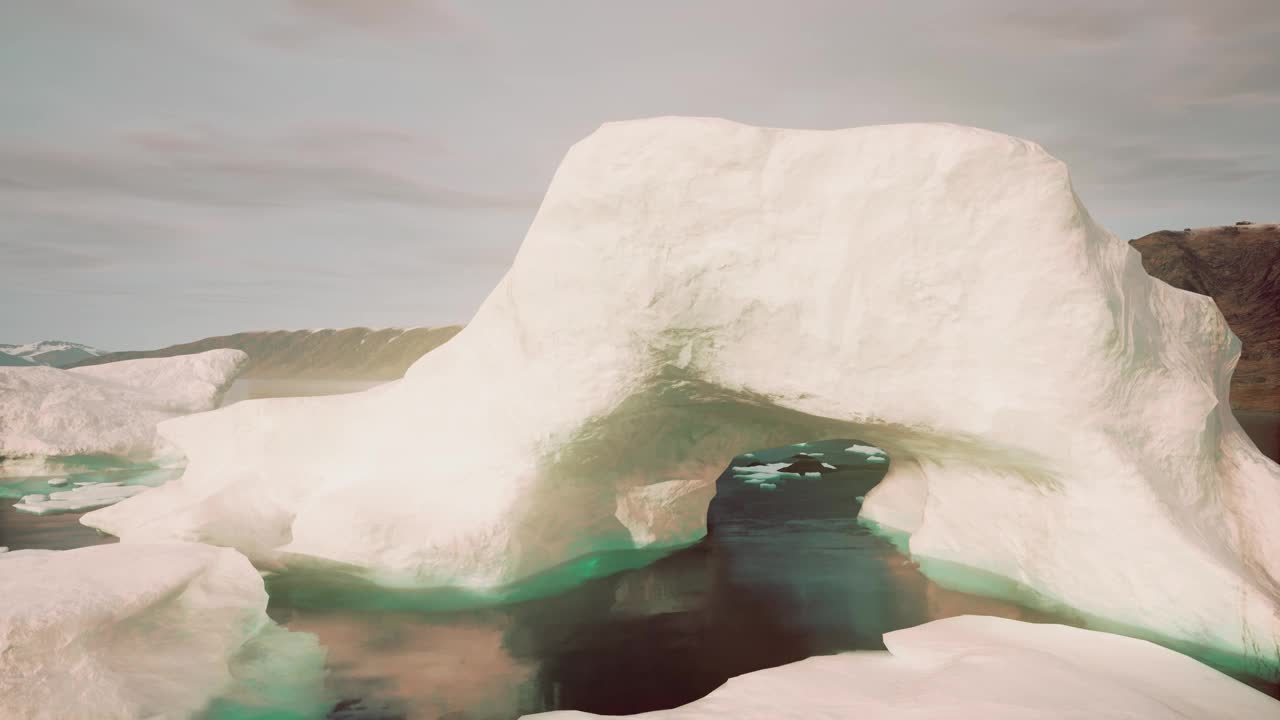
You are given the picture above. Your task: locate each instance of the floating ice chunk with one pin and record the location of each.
(877, 460)
(752, 470)
(828, 466)
(982, 668)
(134, 630)
(864, 450)
(84, 497)
(768, 486)
(58, 481)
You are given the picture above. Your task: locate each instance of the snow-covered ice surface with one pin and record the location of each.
(109, 409)
(1056, 417)
(983, 668)
(147, 631)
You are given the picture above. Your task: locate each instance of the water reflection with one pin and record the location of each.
(785, 574)
(395, 664)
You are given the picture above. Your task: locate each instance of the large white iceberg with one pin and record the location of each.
(109, 409)
(983, 668)
(128, 631)
(694, 288)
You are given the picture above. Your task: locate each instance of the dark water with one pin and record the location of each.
(785, 574)
(1263, 429)
(20, 531)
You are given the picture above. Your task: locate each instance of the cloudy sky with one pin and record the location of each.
(171, 170)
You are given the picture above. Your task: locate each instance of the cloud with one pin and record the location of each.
(393, 16)
(1150, 162)
(314, 167)
(50, 241)
(1205, 54)
(309, 23)
(1074, 24)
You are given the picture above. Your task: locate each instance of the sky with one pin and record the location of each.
(174, 169)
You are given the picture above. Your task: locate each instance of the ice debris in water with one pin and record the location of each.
(87, 496)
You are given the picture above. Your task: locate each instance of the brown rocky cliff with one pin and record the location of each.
(1239, 267)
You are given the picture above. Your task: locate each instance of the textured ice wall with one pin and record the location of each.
(146, 631)
(982, 668)
(109, 409)
(692, 288)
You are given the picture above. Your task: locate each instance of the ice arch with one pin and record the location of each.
(691, 287)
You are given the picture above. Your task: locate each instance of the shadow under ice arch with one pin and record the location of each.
(1056, 416)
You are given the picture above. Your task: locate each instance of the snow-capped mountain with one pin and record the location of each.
(7, 360)
(54, 353)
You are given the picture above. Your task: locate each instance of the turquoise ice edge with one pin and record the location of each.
(975, 581)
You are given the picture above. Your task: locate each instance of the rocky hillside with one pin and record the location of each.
(350, 353)
(1239, 267)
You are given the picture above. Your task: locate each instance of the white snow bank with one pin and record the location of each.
(143, 631)
(109, 409)
(1063, 416)
(83, 497)
(983, 668)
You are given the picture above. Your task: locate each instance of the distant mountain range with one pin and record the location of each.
(345, 354)
(54, 353)
(1239, 267)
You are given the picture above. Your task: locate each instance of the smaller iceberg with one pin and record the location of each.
(109, 409)
(169, 631)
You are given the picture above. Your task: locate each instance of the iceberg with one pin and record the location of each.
(109, 409)
(1056, 417)
(154, 631)
(982, 668)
